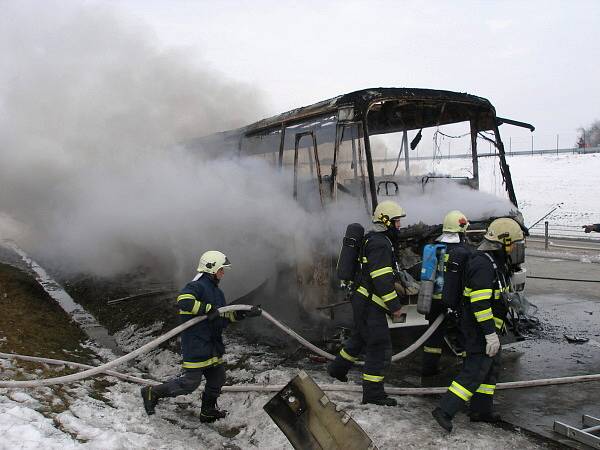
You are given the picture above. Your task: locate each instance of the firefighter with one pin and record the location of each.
(453, 235)
(483, 312)
(374, 299)
(593, 227)
(202, 344)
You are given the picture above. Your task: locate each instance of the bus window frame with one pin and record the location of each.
(298, 137)
(357, 156)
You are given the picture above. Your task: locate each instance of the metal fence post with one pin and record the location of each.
(546, 235)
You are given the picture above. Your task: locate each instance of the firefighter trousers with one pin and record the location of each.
(370, 335)
(189, 381)
(476, 383)
(432, 350)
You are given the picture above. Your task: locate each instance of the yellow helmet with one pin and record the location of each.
(504, 231)
(455, 222)
(386, 211)
(211, 261)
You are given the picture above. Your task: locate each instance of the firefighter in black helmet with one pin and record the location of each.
(374, 298)
(483, 312)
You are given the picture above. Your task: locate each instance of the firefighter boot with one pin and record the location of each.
(443, 419)
(209, 412)
(150, 399)
(373, 393)
(481, 409)
(338, 370)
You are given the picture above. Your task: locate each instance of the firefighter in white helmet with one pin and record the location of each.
(202, 344)
(484, 310)
(453, 237)
(374, 298)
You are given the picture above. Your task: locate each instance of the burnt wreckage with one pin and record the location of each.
(331, 153)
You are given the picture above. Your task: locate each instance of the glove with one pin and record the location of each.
(492, 344)
(212, 314)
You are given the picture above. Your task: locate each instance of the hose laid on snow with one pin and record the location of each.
(59, 362)
(123, 359)
(156, 342)
(325, 387)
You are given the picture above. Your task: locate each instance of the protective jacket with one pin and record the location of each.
(376, 280)
(202, 344)
(484, 309)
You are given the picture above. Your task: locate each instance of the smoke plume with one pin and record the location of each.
(94, 179)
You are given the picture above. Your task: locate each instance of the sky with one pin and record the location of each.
(535, 61)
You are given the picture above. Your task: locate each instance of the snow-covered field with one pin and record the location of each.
(543, 181)
(109, 415)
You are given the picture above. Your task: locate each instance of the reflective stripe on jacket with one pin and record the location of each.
(484, 310)
(376, 282)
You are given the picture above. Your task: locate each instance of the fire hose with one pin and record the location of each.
(106, 368)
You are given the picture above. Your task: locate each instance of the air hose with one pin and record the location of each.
(105, 368)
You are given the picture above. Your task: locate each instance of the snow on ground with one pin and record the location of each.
(86, 415)
(542, 181)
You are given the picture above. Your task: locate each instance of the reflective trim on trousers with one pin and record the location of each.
(201, 364)
(460, 391)
(372, 378)
(347, 356)
(486, 389)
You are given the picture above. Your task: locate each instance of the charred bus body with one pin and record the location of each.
(338, 150)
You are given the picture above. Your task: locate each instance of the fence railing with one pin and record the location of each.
(547, 231)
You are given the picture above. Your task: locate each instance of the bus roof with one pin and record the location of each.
(361, 100)
(418, 108)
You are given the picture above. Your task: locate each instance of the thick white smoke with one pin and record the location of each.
(91, 117)
(91, 112)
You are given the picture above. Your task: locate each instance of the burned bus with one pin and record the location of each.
(374, 144)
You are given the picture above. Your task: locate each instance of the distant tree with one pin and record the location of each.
(589, 137)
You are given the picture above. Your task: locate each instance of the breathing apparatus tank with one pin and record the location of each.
(432, 276)
(348, 263)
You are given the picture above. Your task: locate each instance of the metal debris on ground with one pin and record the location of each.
(311, 421)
